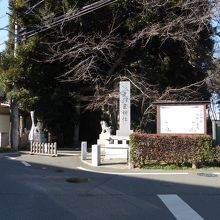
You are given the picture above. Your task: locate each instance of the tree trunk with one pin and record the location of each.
(14, 126)
(76, 126)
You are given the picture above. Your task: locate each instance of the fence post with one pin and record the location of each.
(95, 155)
(124, 141)
(45, 148)
(83, 150)
(55, 148)
(31, 147)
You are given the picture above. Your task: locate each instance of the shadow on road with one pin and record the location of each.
(42, 191)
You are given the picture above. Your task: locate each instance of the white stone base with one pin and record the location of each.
(102, 144)
(116, 151)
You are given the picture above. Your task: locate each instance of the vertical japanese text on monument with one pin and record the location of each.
(125, 103)
(125, 112)
(124, 106)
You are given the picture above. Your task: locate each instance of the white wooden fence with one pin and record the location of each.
(44, 148)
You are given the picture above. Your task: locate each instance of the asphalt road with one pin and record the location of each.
(32, 190)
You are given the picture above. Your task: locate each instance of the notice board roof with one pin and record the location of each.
(181, 103)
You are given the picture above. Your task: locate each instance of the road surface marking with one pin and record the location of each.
(25, 163)
(10, 158)
(180, 209)
(146, 173)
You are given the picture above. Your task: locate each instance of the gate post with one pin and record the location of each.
(83, 150)
(95, 155)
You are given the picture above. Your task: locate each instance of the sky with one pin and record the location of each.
(3, 23)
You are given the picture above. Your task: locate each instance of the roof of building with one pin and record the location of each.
(164, 102)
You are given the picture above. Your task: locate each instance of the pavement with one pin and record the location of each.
(71, 159)
(36, 187)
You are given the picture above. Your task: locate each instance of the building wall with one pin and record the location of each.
(4, 123)
(4, 139)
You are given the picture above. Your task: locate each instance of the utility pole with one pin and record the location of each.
(14, 117)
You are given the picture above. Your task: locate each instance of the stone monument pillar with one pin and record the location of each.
(124, 110)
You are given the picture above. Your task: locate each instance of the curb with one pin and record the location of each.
(10, 154)
(133, 173)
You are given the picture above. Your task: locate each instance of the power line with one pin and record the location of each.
(5, 28)
(2, 43)
(68, 17)
(76, 13)
(33, 7)
(2, 16)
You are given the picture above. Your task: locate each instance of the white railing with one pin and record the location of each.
(44, 148)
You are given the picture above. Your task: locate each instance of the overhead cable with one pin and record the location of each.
(67, 17)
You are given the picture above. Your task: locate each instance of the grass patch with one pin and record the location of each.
(5, 150)
(185, 166)
(168, 166)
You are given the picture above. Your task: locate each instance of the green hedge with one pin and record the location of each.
(5, 149)
(159, 148)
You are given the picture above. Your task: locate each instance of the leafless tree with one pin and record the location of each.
(184, 27)
(84, 55)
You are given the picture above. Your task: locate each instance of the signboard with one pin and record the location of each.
(182, 119)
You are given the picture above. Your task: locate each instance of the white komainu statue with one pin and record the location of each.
(105, 128)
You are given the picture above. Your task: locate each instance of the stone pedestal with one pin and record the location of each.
(117, 148)
(39, 137)
(104, 137)
(116, 151)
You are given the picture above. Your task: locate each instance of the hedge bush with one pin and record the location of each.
(159, 148)
(5, 149)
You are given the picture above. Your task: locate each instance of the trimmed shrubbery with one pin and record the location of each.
(5, 149)
(171, 149)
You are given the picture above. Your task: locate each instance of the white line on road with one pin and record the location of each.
(25, 163)
(180, 209)
(10, 158)
(147, 173)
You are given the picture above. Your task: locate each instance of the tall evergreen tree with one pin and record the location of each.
(163, 47)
